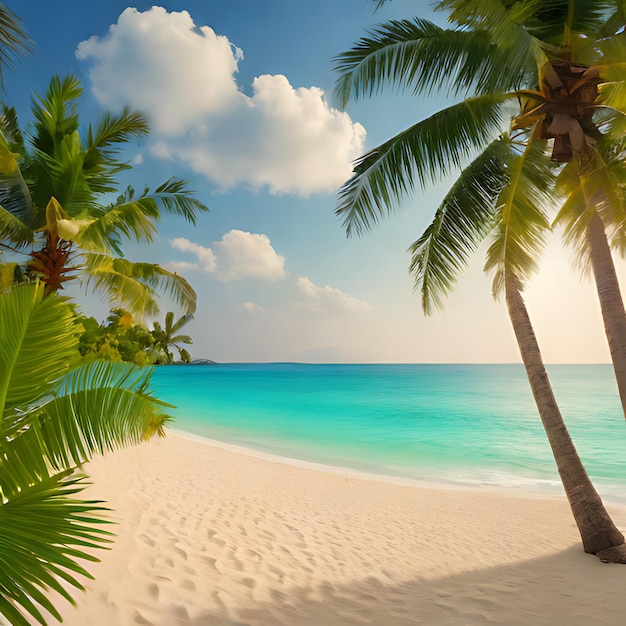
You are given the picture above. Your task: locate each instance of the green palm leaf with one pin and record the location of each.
(38, 339)
(522, 220)
(14, 41)
(128, 218)
(14, 193)
(44, 531)
(135, 284)
(461, 222)
(422, 57)
(600, 188)
(425, 152)
(98, 408)
(53, 419)
(175, 198)
(14, 231)
(105, 142)
(134, 217)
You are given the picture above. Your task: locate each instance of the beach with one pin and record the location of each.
(210, 535)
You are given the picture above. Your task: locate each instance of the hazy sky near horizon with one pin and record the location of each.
(239, 97)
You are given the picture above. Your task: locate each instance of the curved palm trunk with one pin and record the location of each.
(611, 302)
(599, 534)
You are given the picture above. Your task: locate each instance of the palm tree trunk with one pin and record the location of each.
(611, 302)
(599, 534)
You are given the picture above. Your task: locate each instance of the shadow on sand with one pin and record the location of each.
(568, 588)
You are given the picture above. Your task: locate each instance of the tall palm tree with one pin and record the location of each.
(500, 57)
(166, 338)
(54, 201)
(54, 418)
(561, 64)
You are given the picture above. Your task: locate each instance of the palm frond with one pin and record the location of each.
(175, 198)
(38, 337)
(14, 193)
(44, 531)
(97, 408)
(573, 216)
(105, 142)
(421, 57)
(14, 231)
(14, 41)
(10, 129)
(511, 26)
(114, 131)
(173, 327)
(423, 153)
(56, 114)
(134, 285)
(461, 222)
(128, 217)
(522, 222)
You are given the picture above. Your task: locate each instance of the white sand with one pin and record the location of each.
(207, 536)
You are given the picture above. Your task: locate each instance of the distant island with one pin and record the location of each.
(197, 362)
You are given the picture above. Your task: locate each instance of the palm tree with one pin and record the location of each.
(52, 189)
(165, 338)
(54, 419)
(502, 58)
(560, 64)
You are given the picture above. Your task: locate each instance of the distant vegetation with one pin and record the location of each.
(120, 338)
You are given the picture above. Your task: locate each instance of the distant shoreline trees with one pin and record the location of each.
(121, 338)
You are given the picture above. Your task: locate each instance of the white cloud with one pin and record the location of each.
(183, 78)
(252, 307)
(180, 266)
(328, 298)
(205, 256)
(237, 255)
(247, 255)
(161, 64)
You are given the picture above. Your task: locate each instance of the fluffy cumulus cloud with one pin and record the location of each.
(205, 256)
(329, 299)
(159, 63)
(237, 255)
(183, 78)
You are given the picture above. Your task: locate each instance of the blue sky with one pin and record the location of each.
(239, 95)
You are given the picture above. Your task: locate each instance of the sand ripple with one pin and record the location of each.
(210, 537)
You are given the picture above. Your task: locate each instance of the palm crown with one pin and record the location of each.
(531, 79)
(55, 191)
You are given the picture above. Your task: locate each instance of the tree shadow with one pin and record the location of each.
(569, 587)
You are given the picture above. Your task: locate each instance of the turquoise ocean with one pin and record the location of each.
(464, 424)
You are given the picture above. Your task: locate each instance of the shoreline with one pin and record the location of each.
(545, 489)
(208, 535)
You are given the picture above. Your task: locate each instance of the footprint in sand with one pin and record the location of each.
(207, 559)
(153, 591)
(140, 619)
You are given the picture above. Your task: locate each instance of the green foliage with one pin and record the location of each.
(512, 62)
(14, 41)
(55, 417)
(166, 338)
(57, 186)
(121, 339)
